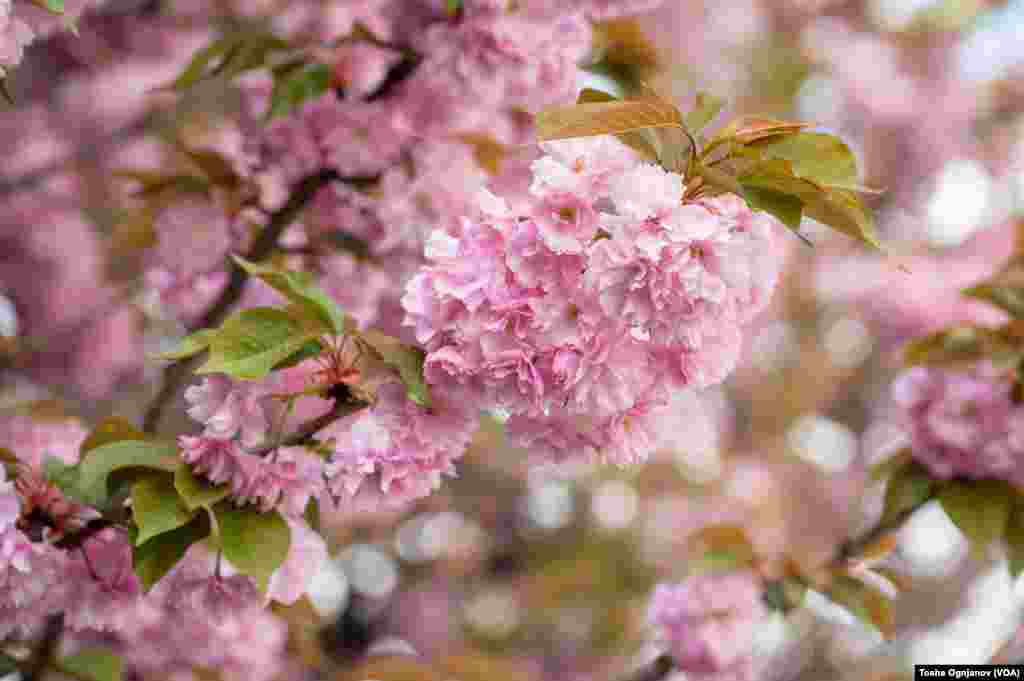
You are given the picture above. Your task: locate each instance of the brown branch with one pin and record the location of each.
(178, 373)
(304, 434)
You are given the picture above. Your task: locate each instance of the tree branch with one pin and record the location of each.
(178, 373)
(304, 434)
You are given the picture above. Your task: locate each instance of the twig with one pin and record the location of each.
(44, 652)
(176, 374)
(304, 433)
(853, 548)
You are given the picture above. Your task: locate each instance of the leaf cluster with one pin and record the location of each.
(171, 508)
(777, 166)
(256, 341)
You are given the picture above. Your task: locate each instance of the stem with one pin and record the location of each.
(176, 374)
(304, 434)
(853, 548)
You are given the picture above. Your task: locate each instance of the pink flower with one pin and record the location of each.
(34, 440)
(192, 236)
(15, 36)
(287, 479)
(396, 451)
(582, 166)
(360, 67)
(32, 583)
(10, 506)
(708, 622)
(542, 316)
(103, 586)
(962, 423)
(228, 409)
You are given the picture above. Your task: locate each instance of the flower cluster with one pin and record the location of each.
(22, 22)
(197, 616)
(396, 451)
(237, 416)
(708, 623)
(580, 313)
(962, 424)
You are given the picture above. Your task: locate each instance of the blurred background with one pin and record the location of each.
(508, 573)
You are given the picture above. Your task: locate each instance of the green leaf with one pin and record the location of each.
(748, 129)
(406, 359)
(822, 158)
(229, 57)
(980, 510)
(908, 488)
(1015, 539)
(216, 167)
(311, 514)
(588, 95)
(301, 288)
(865, 602)
(252, 342)
(298, 86)
(255, 543)
(607, 118)
(961, 345)
(843, 210)
(1008, 298)
(110, 429)
(190, 345)
(892, 464)
(52, 6)
(159, 555)
(784, 594)
(96, 471)
(156, 507)
(153, 183)
(838, 208)
(453, 7)
(706, 110)
(65, 477)
(196, 492)
(311, 349)
(200, 65)
(640, 141)
(1005, 290)
(788, 209)
(8, 664)
(92, 664)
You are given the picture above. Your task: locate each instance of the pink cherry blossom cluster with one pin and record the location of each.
(400, 450)
(708, 623)
(962, 423)
(397, 450)
(581, 312)
(198, 616)
(237, 416)
(22, 22)
(414, 97)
